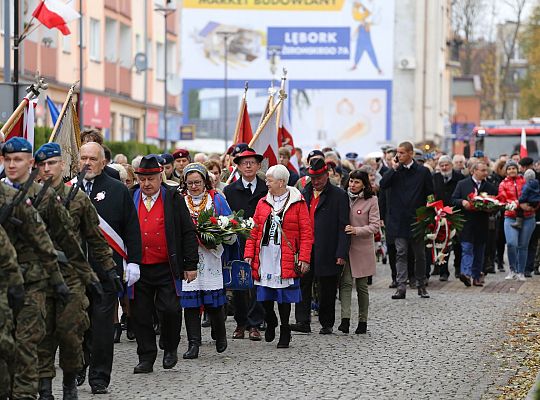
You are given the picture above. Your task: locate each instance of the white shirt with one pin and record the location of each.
(253, 184)
(153, 197)
(478, 183)
(409, 165)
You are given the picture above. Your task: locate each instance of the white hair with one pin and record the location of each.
(279, 172)
(445, 159)
(458, 157)
(136, 162)
(200, 157)
(120, 159)
(121, 170)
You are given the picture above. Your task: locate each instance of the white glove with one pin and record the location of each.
(229, 239)
(133, 273)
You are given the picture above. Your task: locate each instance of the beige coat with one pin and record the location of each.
(365, 219)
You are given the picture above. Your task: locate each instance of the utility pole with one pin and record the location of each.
(7, 42)
(16, 17)
(226, 35)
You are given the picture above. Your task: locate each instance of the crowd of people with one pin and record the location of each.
(124, 235)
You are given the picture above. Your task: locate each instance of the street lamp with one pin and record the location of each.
(165, 11)
(225, 35)
(273, 55)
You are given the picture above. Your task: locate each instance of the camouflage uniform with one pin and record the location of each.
(10, 275)
(65, 328)
(37, 259)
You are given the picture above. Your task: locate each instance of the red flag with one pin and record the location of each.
(523, 147)
(265, 141)
(243, 133)
(285, 138)
(24, 127)
(55, 14)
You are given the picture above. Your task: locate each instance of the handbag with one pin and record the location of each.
(237, 275)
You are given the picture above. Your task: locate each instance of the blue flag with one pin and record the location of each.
(53, 110)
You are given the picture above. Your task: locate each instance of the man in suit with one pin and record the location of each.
(329, 212)
(444, 184)
(118, 218)
(93, 135)
(408, 184)
(244, 194)
(473, 235)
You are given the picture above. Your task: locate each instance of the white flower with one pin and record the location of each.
(223, 221)
(431, 236)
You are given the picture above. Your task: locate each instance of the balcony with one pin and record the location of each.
(125, 81)
(111, 5)
(48, 62)
(111, 76)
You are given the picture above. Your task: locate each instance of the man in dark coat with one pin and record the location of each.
(118, 218)
(329, 212)
(244, 194)
(444, 184)
(408, 184)
(473, 235)
(165, 224)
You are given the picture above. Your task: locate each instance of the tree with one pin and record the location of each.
(530, 85)
(466, 18)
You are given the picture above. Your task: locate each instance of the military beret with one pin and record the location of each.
(17, 145)
(239, 148)
(167, 158)
(48, 150)
(181, 153)
(351, 156)
(478, 154)
(314, 153)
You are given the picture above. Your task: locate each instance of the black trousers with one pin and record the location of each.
(302, 310)
(248, 312)
(284, 310)
(327, 300)
(155, 290)
(98, 341)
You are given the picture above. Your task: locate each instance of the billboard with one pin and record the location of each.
(338, 54)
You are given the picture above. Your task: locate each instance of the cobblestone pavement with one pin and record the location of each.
(437, 348)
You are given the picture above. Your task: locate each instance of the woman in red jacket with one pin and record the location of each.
(279, 251)
(517, 240)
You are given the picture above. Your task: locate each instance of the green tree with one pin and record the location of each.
(530, 85)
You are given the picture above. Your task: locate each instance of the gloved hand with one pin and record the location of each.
(115, 280)
(16, 298)
(97, 291)
(62, 293)
(133, 273)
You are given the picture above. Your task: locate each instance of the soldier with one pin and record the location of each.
(11, 299)
(73, 265)
(38, 263)
(72, 321)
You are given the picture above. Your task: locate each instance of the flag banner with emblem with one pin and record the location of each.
(68, 137)
(24, 124)
(265, 140)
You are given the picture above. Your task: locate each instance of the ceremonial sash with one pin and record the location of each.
(113, 239)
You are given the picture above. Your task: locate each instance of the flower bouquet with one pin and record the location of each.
(438, 225)
(215, 230)
(484, 202)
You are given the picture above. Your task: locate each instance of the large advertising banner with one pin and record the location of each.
(338, 55)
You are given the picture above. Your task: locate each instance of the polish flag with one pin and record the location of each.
(24, 126)
(523, 148)
(243, 132)
(55, 14)
(285, 138)
(265, 141)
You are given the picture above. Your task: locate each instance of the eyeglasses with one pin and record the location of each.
(248, 163)
(194, 183)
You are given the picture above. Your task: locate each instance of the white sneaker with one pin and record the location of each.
(521, 278)
(511, 275)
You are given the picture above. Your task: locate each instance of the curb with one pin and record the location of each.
(534, 392)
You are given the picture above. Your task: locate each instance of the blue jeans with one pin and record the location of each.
(517, 242)
(472, 258)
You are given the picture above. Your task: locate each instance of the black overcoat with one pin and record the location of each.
(443, 191)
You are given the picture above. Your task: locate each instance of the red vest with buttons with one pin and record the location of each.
(154, 241)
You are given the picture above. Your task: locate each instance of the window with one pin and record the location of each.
(149, 54)
(160, 58)
(125, 55)
(128, 127)
(66, 44)
(95, 39)
(111, 38)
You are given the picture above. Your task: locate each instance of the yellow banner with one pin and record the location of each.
(288, 5)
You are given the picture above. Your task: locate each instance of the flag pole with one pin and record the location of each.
(265, 120)
(240, 115)
(281, 93)
(62, 112)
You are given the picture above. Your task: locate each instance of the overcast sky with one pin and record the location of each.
(498, 11)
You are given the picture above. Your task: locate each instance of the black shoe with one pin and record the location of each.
(399, 295)
(362, 328)
(326, 330)
(69, 387)
(344, 326)
(284, 337)
(192, 351)
(99, 389)
(117, 332)
(465, 279)
(393, 285)
(143, 367)
(123, 321)
(221, 344)
(206, 321)
(45, 389)
(528, 275)
(81, 376)
(170, 358)
(443, 278)
(422, 292)
(303, 327)
(270, 333)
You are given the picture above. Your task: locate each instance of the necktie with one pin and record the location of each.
(446, 179)
(88, 189)
(249, 186)
(148, 202)
(316, 193)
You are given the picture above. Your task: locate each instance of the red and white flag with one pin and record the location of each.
(55, 14)
(523, 147)
(24, 127)
(285, 137)
(265, 141)
(243, 132)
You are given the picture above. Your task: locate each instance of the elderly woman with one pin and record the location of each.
(279, 251)
(207, 290)
(365, 220)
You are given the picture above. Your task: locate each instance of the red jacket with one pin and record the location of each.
(510, 191)
(297, 238)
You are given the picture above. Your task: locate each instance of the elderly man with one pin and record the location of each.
(459, 164)
(407, 185)
(118, 219)
(169, 254)
(444, 184)
(93, 135)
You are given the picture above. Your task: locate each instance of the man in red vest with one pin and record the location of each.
(169, 254)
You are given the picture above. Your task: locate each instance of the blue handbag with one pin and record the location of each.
(237, 275)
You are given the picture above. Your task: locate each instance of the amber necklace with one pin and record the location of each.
(196, 210)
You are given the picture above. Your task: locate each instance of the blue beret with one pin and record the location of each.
(351, 156)
(478, 153)
(48, 150)
(17, 145)
(167, 158)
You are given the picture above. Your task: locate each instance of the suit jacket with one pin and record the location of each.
(239, 198)
(443, 191)
(115, 206)
(330, 240)
(476, 222)
(112, 172)
(182, 244)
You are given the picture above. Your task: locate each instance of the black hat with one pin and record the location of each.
(167, 158)
(526, 162)
(317, 167)
(149, 166)
(239, 148)
(314, 153)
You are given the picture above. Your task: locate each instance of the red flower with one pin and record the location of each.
(471, 195)
(234, 222)
(213, 220)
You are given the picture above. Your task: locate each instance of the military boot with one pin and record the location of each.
(69, 386)
(45, 389)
